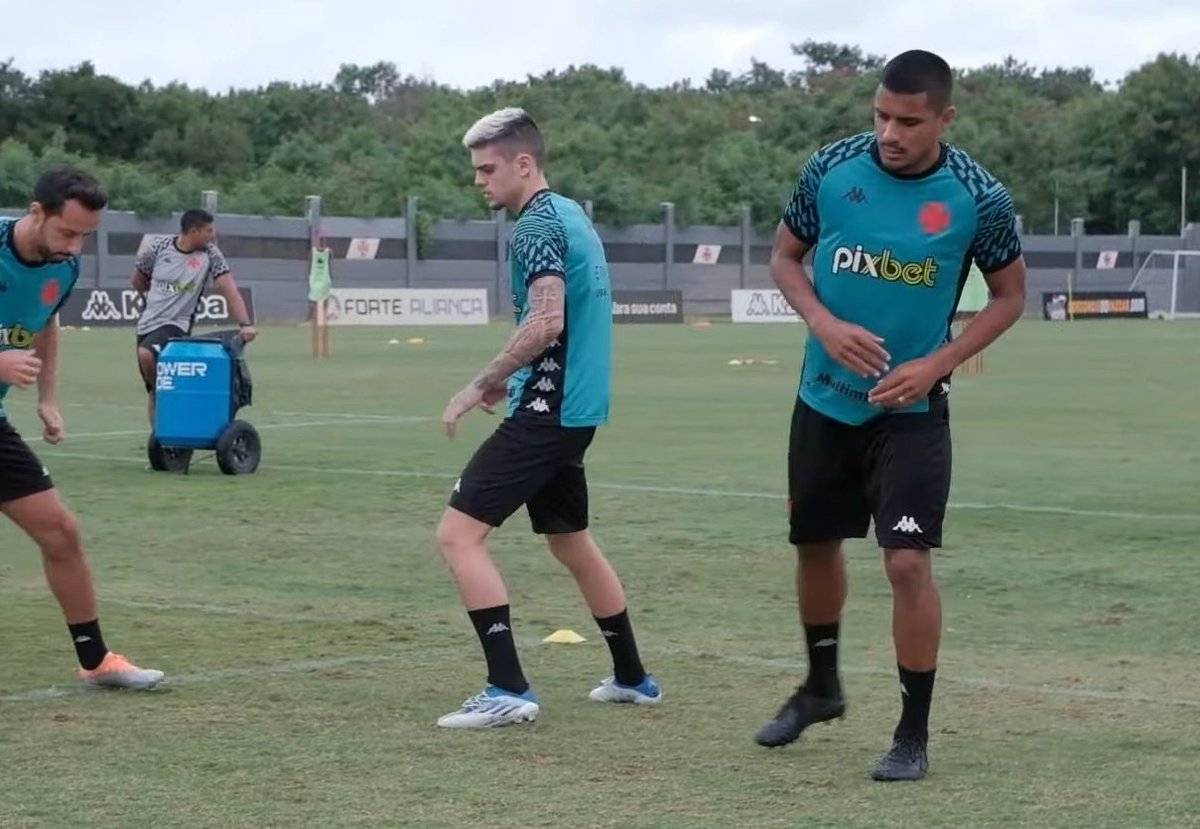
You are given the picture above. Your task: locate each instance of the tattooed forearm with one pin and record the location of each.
(544, 322)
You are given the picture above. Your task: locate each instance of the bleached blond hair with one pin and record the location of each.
(512, 128)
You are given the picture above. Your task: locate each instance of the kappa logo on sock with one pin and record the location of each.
(824, 643)
(499, 627)
(79, 640)
(903, 690)
(609, 634)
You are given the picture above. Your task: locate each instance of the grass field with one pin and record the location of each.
(312, 637)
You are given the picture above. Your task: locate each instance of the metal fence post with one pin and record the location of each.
(746, 238)
(668, 241)
(410, 240)
(501, 219)
(101, 249)
(312, 212)
(1135, 230)
(1077, 240)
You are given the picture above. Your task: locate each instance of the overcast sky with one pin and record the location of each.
(243, 43)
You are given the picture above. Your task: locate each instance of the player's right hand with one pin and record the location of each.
(459, 405)
(19, 368)
(854, 347)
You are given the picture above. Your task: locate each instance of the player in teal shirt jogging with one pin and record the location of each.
(554, 372)
(39, 264)
(893, 218)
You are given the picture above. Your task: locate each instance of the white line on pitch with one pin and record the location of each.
(301, 425)
(675, 490)
(435, 655)
(972, 683)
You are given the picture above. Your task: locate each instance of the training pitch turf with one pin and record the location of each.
(311, 635)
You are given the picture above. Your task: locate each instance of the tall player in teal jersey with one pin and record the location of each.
(894, 219)
(39, 264)
(554, 372)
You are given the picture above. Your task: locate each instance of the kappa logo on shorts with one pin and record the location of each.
(539, 405)
(458, 486)
(548, 364)
(545, 385)
(907, 524)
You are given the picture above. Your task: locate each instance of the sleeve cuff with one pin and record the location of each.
(994, 268)
(808, 240)
(529, 279)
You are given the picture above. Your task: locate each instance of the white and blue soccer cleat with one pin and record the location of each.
(492, 708)
(646, 693)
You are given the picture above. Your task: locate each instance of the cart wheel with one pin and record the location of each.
(164, 459)
(239, 449)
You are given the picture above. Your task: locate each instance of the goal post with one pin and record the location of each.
(1171, 281)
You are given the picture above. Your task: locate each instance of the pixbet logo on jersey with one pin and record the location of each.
(884, 266)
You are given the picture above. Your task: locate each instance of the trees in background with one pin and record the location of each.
(372, 137)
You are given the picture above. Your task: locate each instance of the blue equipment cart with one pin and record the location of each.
(202, 383)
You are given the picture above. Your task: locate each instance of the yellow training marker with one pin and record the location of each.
(564, 637)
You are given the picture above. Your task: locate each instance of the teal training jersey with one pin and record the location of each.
(568, 384)
(892, 253)
(30, 294)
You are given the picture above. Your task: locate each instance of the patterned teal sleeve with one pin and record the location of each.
(996, 244)
(800, 215)
(539, 248)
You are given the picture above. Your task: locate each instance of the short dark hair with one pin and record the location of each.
(513, 130)
(60, 185)
(917, 71)
(192, 219)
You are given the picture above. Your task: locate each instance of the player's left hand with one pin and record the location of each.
(54, 427)
(491, 397)
(459, 405)
(906, 384)
(248, 332)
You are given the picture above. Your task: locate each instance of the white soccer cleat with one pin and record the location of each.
(647, 693)
(493, 708)
(118, 672)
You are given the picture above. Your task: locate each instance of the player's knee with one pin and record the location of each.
(448, 539)
(572, 549)
(908, 569)
(59, 537)
(146, 364)
(819, 551)
(454, 539)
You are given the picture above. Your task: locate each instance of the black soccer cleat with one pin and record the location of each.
(800, 711)
(907, 759)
